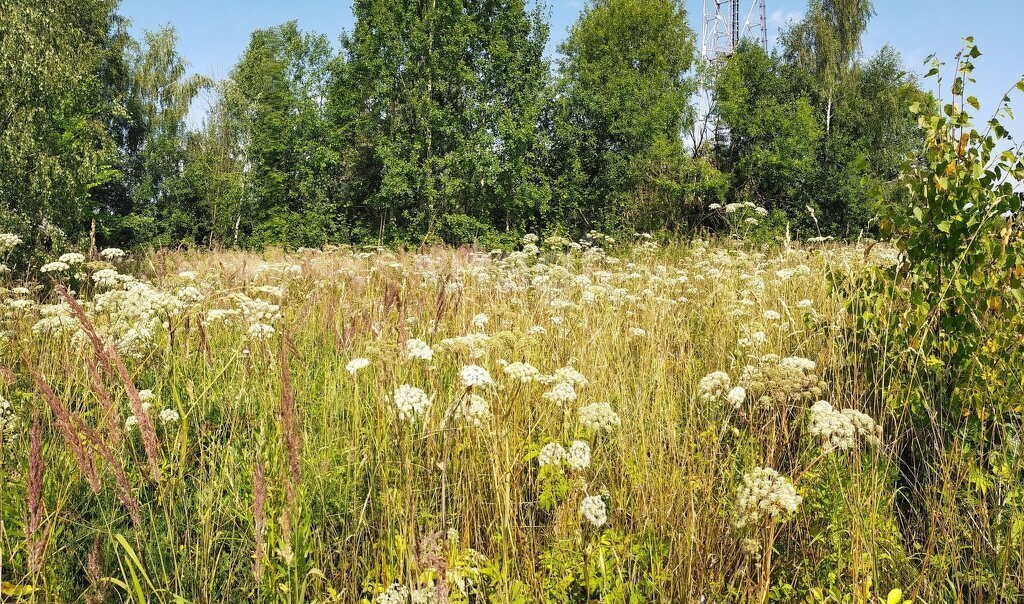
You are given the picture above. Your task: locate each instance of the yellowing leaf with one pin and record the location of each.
(895, 597)
(16, 591)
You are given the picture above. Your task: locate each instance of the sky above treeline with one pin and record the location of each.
(214, 33)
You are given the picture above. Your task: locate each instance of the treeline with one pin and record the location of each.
(440, 120)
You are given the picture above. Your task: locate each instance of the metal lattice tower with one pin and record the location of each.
(722, 28)
(721, 32)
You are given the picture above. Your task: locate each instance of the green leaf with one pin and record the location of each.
(973, 102)
(943, 226)
(895, 597)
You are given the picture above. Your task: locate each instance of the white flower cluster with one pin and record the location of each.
(599, 417)
(418, 350)
(71, 258)
(594, 511)
(8, 423)
(475, 376)
(355, 365)
(765, 495)
(551, 454)
(775, 381)
(841, 429)
(108, 278)
(578, 457)
(476, 411)
(412, 403)
(55, 267)
(9, 241)
(714, 386)
(521, 372)
(396, 593)
(112, 254)
(561, 393)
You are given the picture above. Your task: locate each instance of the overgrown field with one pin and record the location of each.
(559, 424)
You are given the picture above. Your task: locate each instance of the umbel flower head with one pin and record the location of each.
(476, 411)
(841, 429)
(714, 385)
(551, 454)
(594, 511)
(412, 403)
(356, 364)
(578, 457)
(765, 495)
(599, 417)
(475, 376)
(418, 350)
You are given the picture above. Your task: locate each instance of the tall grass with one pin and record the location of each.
(286, 477)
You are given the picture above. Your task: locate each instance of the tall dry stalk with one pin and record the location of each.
(35, 542)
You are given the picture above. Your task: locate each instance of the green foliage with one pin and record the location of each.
(54, 147)
(622, 104)
(951, 305)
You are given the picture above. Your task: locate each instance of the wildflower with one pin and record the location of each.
(578, 457)
(188, 275)
(736, 396)
(112, 254)
(551, 454)
(356, 364)
(190, 295)
(594, 511)
(714, 385)
(476, 411)
(599, 417)
(521, 372)
(55, 267)
(638, 332)
(765, 495)
(841, 429)
(396, 593)
(475, 376)
(8, 423)
(412, 403)
(480, 321)
(562, 393)
(72, 258)
(131, 422)
(9, 241)
(418, 349)
(260, 331)
(169, 416)
(147, 397)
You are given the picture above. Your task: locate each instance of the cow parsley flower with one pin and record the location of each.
(169, 416)
(412, 403)
(112, 254)
(71, 258)
(355, 365)
(736, 396)
(599, 417)
(765, 495)
(475, 376)
(521, 372)
(476, 411)
(551, 454)
(562, 393)
(418, 350)
(261, 331)
(9, 241)
(840, 430)
(594, 511)
(396, 593)
(578, 457)
(714, 385)
(55, 267)
(480, 321)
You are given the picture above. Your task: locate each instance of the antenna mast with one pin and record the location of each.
(721, 32)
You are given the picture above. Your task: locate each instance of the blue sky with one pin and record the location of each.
(213, 33)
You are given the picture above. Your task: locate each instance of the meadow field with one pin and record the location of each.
(581, 421)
